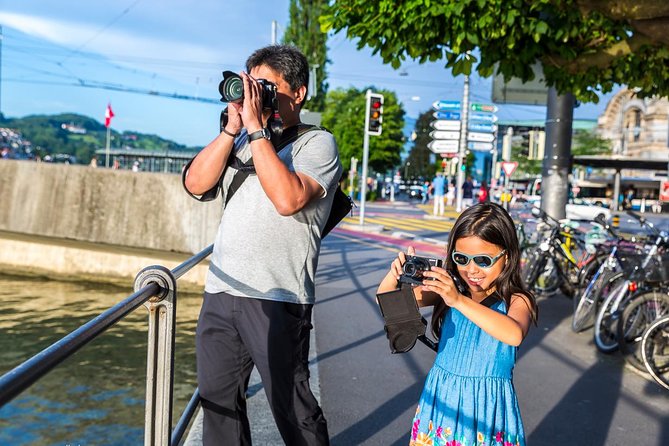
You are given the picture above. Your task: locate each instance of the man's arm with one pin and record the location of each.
(208, 165)
(289, 191)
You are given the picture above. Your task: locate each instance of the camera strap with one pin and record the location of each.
(244, 169)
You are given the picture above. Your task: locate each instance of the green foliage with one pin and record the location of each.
(419, 156)
(584, 47)
(47, 135)
(344, 116)
(589, 143)
(304, 32)
(525, 164)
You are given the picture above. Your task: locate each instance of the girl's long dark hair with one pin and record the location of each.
(491, 223)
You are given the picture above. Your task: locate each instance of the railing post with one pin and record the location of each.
(160, 355)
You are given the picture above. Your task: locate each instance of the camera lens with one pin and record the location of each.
(409, 269)
(231, 87)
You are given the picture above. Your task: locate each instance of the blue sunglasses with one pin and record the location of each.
(481, 260)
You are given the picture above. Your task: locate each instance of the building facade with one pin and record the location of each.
(637, 127)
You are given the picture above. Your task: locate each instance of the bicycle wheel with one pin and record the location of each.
(655, 351)
(585, 307)
(548, 280)
(637, 315)
(533, 267)
(604, 332)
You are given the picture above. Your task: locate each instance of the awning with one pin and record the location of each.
(620, 162)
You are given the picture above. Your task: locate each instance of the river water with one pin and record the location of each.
(96, 397)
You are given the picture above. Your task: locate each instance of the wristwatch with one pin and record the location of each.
(262, 133)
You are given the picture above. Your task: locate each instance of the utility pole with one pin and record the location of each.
(274, 26)
(462, 155)
(556, 163)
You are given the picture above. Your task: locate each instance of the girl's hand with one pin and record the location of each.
(396, 267)
(392, 278)
(439, 281)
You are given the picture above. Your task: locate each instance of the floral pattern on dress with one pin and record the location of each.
(441, 436)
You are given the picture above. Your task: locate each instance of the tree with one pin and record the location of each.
(419, 156)
(584, 46)
(344, 116)
(304, 32)
(589, 143)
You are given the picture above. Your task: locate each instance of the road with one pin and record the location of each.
(569, 393)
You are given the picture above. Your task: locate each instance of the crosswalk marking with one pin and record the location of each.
(405, 223)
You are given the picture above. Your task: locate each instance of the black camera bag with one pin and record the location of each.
(404, 324)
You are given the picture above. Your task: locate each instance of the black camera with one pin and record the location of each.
(414, 267)
(232, 90)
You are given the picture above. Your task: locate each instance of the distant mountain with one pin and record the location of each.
(81, 136)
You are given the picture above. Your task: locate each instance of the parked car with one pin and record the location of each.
(415, 192)
(579, 209)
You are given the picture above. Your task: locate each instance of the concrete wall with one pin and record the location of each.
(103, 206)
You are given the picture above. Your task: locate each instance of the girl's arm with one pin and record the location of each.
(509, 328)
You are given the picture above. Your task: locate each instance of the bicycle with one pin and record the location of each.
(655, 351)
(623, 256)
(637, 315)
(605, 329)
(558, 259)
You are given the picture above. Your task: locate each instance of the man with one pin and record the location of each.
(438, 184)
(259, 290)
(467, 193)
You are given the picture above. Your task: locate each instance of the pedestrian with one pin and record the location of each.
(468, 396)
(426, 192)
(450, 194)
(438, 185)
(467, 193)
(258, 300)
(94, 162)
(483, 193)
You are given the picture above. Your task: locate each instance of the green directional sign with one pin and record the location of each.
(490, 108)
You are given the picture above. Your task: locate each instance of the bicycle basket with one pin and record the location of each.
(630, 261)
(658, 269)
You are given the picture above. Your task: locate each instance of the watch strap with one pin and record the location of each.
(262, 133)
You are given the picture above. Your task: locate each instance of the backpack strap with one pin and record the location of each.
(289, 136)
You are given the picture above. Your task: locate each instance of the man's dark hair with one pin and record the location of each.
(286, 60)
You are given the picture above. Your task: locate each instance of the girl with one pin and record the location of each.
(468, 397)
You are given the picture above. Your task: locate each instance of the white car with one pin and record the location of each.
(579, 209)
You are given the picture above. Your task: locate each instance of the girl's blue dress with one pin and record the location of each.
(468, 398)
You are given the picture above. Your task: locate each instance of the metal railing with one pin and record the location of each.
(155, 288)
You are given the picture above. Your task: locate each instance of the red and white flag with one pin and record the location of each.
(109, 114)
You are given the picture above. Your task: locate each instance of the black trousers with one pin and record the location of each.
(233, 335)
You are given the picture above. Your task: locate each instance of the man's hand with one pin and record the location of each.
(252, 112)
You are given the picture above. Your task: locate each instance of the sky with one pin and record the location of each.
(56, 54)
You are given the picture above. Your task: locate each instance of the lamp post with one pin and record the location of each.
(406, 170)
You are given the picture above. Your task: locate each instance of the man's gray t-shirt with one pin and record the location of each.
(259, 253)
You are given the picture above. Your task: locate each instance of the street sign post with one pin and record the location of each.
(486, 128)
(482, 146)
(446, 105)
(446, 125)
(449, 115)
(482, 137)
(443, 146)
(490, 108)
(509, 167)
(486, 117)
(444, 134)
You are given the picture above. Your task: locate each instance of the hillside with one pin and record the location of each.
(80, 136)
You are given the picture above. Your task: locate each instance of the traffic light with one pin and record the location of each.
(375, 118)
